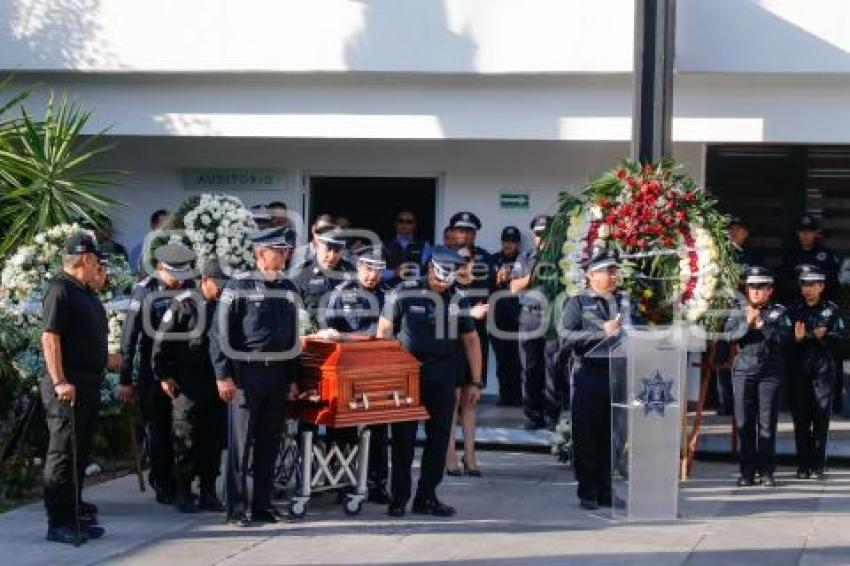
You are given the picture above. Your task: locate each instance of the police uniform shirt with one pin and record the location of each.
(403, 250)
(523, 267)
(353, 308)
(818, 256)
(760, 350)
(499, 261)
(417, 318)
(133, 337)
(483, 274)
(254, 321)
(823, 314)
(583, 318)
(313, 283)
(190, 357)
(73, 311)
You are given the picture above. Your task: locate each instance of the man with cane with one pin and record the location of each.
(74, 340)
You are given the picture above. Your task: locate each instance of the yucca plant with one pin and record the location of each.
(45, 174)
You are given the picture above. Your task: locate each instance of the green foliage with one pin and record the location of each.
(562, 440)
(45, 177)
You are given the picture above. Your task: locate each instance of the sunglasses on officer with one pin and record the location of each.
(405, 220)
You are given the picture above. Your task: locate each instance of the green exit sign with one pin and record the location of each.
(514, 201)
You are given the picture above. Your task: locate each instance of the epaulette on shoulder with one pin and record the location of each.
(184, 295)
(145, 282)
(242, 276)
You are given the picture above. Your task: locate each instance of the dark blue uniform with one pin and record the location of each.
(544, 389)
(259, 317)
(757, 373)
(353, 308)
(197, 411)
(155, 405)
(581, 328)
(506, 317)
(315, 284)
(811, 381)
(818, 256)
(423, 324)
(402, 252)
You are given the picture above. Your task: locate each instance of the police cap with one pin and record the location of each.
(446, 262)
(465, 220)
(511, 234)
(807, 273)
(601, 259)
(176, 259)
(331, 235)
(80, 243)
(372, 257)
(539, 223)
(808, 222)
(758, 275)
(275, 237)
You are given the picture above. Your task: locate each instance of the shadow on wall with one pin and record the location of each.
(59, 33)
(745, 36)
(409, 35)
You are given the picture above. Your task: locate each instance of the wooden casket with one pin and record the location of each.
(357, 381)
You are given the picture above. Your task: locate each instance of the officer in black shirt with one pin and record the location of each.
(252, 344)
(184, 372)
(317, 276)
(544, 388)
(817, 325)
(405, 254)
(506, 313)
(761, 330)
(150, 299)
(593, 319)
(433, 325)
(353, 308)
(74, 342)
(808, 251)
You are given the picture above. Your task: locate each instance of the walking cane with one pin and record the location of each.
(134, 448)
(76, 474)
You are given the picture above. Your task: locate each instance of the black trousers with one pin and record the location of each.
(545, 388)
(58, 464)
(255, 425)
(196, 432)
(811, 387)
(162, 452)
(379, 468)
(508, 368)
(591, 420)
(756, 411)
(437, 390)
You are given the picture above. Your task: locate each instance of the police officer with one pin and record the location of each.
(592, 320)
(252, 344)
(761, 329)
(74, 342)
(322, 273)
(543, 388)
(354, 308)
(739, 235)
(506, 313)
(432, 324)
(405, 254)
(808, 251)
(149, 301)
(816, 323)
(184, 372)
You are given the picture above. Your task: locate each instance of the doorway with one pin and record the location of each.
(371, 203)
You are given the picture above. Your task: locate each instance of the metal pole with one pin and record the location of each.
(654, 48)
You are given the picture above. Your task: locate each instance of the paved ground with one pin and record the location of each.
(522, 512)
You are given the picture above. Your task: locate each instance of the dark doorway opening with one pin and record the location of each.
(371, 203)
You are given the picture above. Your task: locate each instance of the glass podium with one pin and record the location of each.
(648, 369)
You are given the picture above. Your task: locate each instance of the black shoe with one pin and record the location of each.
(745, 482)
(768, 481)
(209, 501)
(186, 505)
(238, 519)
(588, 504)
(803, 474)
(66, 535)
(819, 475)
(473, 472)
(432, 506)
(165, 497)
(534, 425)
(268, 515)
(397, 509)
(92, 531)
(378, 494)
(456, 473)
(88, 508)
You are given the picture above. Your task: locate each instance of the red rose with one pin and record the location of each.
(642, 244)
(621, 173)
(610, 219)
(688, 197)
(604, 202)
(647, 169)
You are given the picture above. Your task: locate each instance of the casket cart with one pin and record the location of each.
(352, 382)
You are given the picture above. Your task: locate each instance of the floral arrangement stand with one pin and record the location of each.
(648, 369)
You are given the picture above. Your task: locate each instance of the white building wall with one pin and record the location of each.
(471, 173)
